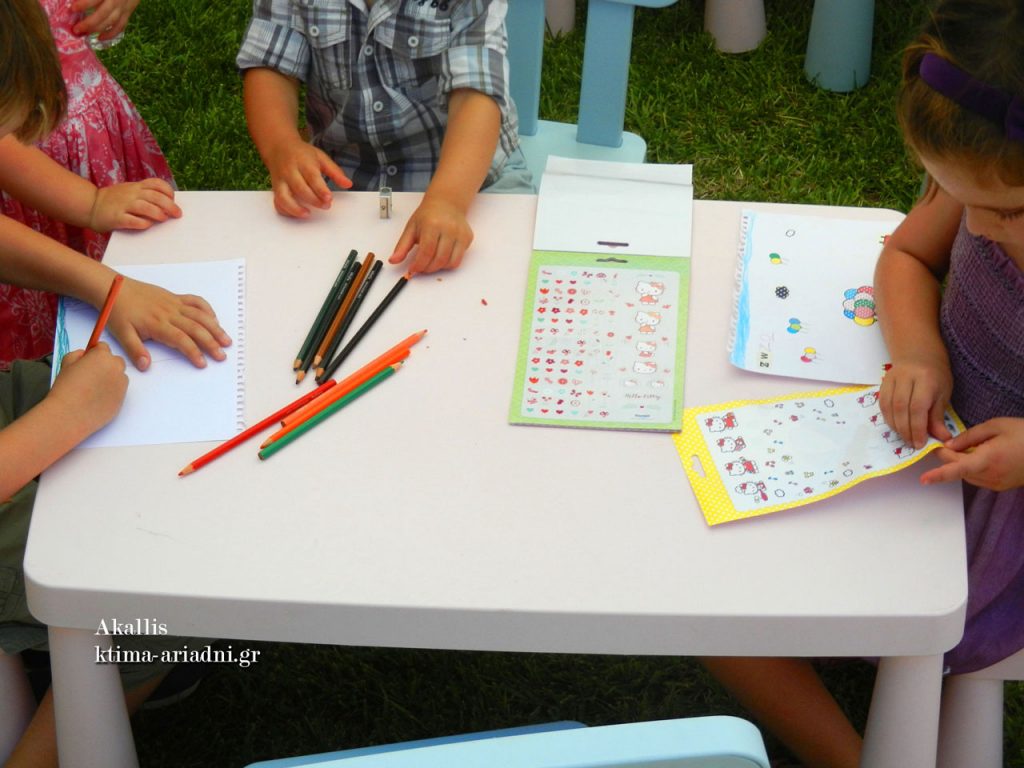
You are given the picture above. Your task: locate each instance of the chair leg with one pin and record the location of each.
(16, 703)
(971, 723)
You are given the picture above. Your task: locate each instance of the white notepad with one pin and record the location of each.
(173, 401)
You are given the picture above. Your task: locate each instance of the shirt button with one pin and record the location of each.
(314, 30)
(392, 170)
(378, 106)
(413, 41)
(368, 50)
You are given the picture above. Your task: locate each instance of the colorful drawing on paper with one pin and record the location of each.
(603, 344)
(763, 456)
(804, 303)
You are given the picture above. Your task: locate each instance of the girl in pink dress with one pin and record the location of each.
(103, 139)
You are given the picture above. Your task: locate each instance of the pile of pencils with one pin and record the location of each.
(320, 352)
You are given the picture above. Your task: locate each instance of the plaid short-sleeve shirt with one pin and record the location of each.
(378, 79)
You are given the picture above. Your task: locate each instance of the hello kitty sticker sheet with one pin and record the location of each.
(804, 303)
(603, 337)
(603, 342)
(750, 458)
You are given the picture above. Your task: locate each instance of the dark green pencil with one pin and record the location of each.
(323, 311)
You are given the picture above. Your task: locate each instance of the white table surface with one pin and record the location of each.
(419, 518)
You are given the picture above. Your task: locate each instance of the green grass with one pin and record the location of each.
(754, 129)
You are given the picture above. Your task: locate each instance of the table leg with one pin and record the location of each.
(92, 720)
(903, 722)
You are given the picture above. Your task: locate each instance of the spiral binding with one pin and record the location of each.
(239, 344)
(737, 292)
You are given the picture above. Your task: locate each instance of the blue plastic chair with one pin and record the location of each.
(699, 742)
(598, 134)
(839, 44)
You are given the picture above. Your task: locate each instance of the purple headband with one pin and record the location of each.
(981, 98)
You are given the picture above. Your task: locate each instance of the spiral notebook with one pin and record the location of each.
(804, 303)
(173, 401)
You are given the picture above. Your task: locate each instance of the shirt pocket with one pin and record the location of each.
(414, 47)
(326, 27)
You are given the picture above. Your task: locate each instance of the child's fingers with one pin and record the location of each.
(205, 316)
(132, 345)
(937, 423)
(973, 437)
(286, 204)
(196, 325)
(951, 470)
(404, 245)
(333, 171)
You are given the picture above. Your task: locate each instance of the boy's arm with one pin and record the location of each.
(908, 290)
(296, 167)
(438, 227)
(29, 175)
(87, 394)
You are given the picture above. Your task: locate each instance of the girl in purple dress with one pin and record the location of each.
(949, 287)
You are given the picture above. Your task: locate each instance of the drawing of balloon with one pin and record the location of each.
(810, 355)
(795, 326)
(859, 305)
(782, 292)
(775, 258)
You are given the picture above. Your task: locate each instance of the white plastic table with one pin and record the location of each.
(419, 518)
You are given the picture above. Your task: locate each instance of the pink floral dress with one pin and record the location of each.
(103, 139)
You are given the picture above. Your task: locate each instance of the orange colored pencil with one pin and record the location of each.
(343, 309)
(342, 388)
(108, 304)
(244, 435)
(398, 352)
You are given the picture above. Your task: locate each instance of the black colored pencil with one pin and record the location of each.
(323, 310)
(325, 324)
(377, 312)
(349, 317)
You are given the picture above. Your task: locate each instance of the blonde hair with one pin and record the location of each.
(31, 84)
(985, 39)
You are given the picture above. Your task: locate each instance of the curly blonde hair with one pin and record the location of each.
(32, 91)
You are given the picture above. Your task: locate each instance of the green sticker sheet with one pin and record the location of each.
(602, 342)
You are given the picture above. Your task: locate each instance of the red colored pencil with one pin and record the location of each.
(241, 437)
(108, 304)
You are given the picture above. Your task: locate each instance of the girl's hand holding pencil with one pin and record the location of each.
(183, 322)
(89, 390)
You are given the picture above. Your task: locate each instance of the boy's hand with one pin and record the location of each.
(440, 234)
(987, 455)
(133, 205)
(90, 388)
(183, 322)
(297, 171)
(913, 398)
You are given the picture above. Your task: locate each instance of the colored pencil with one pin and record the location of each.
(323, 310)
(241, 437)
(339, 316)
(336, 406)
(343, 387)
(336, 302)
(330, 368)
(349, 317)
(108, 304)
(388, 357)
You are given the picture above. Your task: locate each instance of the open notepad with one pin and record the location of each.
(173, 401)
(603, 335)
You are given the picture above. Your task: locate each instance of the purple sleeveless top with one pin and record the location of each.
(982, 323)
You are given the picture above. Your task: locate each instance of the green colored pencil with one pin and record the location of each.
(312, 421)
(318, 322)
